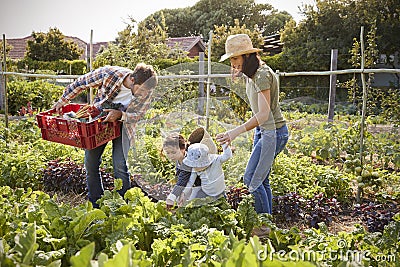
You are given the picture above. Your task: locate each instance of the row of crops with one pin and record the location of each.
(314, 183)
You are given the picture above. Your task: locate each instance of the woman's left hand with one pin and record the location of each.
(224, 138)
(113, 115)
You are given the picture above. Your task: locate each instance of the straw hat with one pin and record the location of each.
(198, 156)
(238, 44)
(200, 135)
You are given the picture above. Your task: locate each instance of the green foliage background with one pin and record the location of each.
(51, 46)
(40, 93)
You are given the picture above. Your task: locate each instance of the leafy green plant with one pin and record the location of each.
(70, 67)
(292, 174)
(35, 230)
(40, 93)
(20, 166)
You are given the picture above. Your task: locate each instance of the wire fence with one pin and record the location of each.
(319, 91)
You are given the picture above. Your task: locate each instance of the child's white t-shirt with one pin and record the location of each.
(212, 178)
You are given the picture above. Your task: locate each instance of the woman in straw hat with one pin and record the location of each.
(271, 133)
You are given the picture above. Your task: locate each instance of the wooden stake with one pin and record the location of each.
(5, 89)
(208, 80)
(332, 87)
(364, 109)
(200, 108)
(91, 65)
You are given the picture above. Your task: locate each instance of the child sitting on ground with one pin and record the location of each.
(209, 168)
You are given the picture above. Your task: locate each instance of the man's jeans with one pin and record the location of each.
(92, 166)
(267, 145)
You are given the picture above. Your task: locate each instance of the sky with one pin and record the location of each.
(19, 18)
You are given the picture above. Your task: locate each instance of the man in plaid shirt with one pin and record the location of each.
(132, 92)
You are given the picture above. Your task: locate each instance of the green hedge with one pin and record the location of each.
(165, 63)
(70, 67)
(40, 93)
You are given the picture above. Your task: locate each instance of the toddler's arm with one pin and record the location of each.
(227, 153)
(188, 189)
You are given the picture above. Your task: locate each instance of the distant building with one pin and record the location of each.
(192, 44)
(273, 44)
(19, 46)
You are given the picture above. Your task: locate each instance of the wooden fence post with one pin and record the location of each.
(90, 97)
(1, 87)
(208, 79)
(200, 108)
(363, 112)
(5, 89)
(332, 87)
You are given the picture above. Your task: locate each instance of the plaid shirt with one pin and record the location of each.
(108, 81)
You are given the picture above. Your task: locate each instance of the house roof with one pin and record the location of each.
(186, 43)
(19, 46)
(273, 44)
(97, 46)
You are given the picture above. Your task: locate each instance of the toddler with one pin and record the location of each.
(209, 168)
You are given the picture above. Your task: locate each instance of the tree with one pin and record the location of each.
(151, 41)
(148, 44)
(52, 46)
(8, 48)
(179, 21)
(307, 46)
(201, 18)
(274, 22)
(222, 32)
(334, 24)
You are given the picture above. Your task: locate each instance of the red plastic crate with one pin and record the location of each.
(75, 133)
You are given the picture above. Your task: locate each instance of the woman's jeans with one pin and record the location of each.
(267, 145)
(92, 166)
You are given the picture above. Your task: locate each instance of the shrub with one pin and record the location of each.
(20, 166)
(40, 93)
(299, 174)
(72, 67)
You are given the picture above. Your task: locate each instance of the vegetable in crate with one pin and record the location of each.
(106, 106)
(114, 85)
(83, 114)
